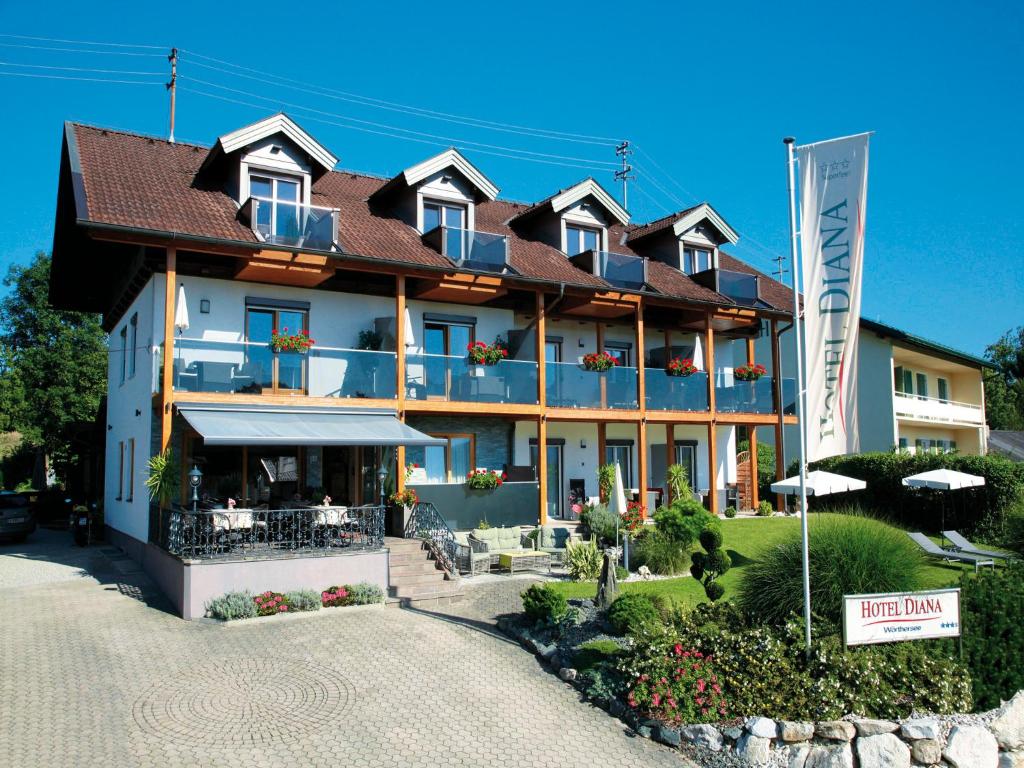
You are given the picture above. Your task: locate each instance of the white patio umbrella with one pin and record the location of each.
(409, 340)
(698, 354)
(943, 480)
(820, 484)
(181, 311)
(617, 503)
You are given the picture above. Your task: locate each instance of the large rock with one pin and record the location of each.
(567, 673)
(798, 755)
(706, 736)
(926, 751)
(790, 731)
(920, 728)
(1011, 760)
(883, 750)
(764, 727)
(833, 756)
(756, 750)
(607, 585)
(836, 730)
(732, 732)
(666, 734)
(1008, 725)
(874, 727)
(971, 746)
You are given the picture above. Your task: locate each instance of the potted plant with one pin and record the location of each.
(482, 355)
(633, 517)
(290, 342)
(485, 479)
(164, 479)
(402, 503)
(370, 340)
(599, 361)
(680, 367)
(751, 372)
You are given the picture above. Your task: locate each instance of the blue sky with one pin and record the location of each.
(706, 92)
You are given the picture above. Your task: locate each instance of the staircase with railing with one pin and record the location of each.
(425, 523)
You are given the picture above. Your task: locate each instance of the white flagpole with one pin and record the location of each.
(801, 400)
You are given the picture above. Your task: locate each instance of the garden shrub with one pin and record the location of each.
(303, 600)
(711, 563)
(632, 613)
(231, 606)
(683, 520)
(602, 682)
(972, 511)
(661, 554)
(764, 508)
(365, 593)
(992, 612)
(621, 574)
(672, 683)
(848, 555)
(730, 512)
(543, 604)
(270, 603)
(335, 597)
(582, 560)
(600, 523)
(593, 653)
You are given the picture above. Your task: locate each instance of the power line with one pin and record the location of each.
(385, 126)
(78, 50)
(666, 174)
(84, 79)
(80, 69)
(82, 42)
(369, 101)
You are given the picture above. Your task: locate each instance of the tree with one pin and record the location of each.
(53, 363)
(1004, 387)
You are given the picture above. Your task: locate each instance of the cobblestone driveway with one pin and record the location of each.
(93, 671)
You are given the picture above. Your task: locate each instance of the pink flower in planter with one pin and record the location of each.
(282, 607)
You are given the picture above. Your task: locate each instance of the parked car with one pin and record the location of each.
(53, 507)
(17, 515)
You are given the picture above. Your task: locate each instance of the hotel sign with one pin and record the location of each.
(901, 616)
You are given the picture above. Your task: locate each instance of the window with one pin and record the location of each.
(898, 378)
(262, 368)
(921, 446)
(580, 239)
(130, 483)
(552, 351)
(621, 453)
(904, 448)
(908, 382)
(922, 386)
(453, 218)
(133, 339)
(943, 387)
(696, 260)
(952, 446)
(124, 352)
(618, 350)
(120, 470)
(277, 214)
(442, 341)
(448, 463)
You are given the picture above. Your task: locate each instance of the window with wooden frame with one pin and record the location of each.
(268, 370)
(120, 470)
(131, 469)
(449, 463)
(580, 239)
(442, 341)
(133, 342)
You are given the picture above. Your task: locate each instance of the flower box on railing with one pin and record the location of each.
(599, 362)
(681, 367)
(290, 342)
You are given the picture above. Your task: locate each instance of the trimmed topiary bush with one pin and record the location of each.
(730, 512)
(543, 604)
(232, 606)
(633, 612)
(683, 520)
(848, 555)
(711, 563)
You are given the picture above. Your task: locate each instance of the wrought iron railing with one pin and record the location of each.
(426, 523)
(254, 533)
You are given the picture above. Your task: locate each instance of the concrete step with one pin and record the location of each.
(409, 579)
(415, 567)
(410, 558)
(428, 591)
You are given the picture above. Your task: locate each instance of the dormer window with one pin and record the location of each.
(580, 239)
(453, 218)
(697, 260)
(277, 209)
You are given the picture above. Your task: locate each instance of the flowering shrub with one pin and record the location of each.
(487, 354)
(680, 367)
(599, 361)
(673, 683)
(750, 372)
(290, 342)
(633, 517)
(485, 479)
(271, 603)
(406, 498)
(334, 597)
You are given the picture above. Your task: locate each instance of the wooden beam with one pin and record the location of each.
(641, 463)
(542, 468)
(753, 468)
(400, 373)
(641, 381)
(602, 440)
(542, 370)
(670, 454)
(305, 270)
(603, 380)
(709, 362)
(780, 453)
(712, 470)
(167, 382)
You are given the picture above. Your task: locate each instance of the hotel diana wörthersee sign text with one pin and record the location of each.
(901, 616)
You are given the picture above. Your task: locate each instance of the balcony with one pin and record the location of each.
(456, 379)
(754, 396)
(292, 225)
(936, 411)
(741, 287)
(619, 269)
(201, 365)
(468, 249)
(571, 386)
(676, 393)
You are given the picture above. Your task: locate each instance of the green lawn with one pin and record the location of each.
(745, 539)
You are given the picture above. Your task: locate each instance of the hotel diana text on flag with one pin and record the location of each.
(833, 200)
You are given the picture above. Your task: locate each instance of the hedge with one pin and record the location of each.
(971, 511)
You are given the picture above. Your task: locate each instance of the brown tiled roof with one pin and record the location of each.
(148, 183)
(642, 230)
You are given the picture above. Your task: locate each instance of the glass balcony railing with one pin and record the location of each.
(676, 393)
(571, 386)
(201, 365)
(456, 379)
(482, 251)
(620, 269)
(754, 396)
(738, 286)
(291, 224)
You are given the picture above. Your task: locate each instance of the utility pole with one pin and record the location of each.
(625, 174)
(780, 267)
(173, 86)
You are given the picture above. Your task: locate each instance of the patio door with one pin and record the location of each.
(555, 497)
(441, 341)
(283, 371)
(686, 455)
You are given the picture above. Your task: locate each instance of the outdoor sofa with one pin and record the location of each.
(498, 541)
(552, 539)
(935, 550)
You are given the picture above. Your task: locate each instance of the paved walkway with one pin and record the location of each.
(94, 671)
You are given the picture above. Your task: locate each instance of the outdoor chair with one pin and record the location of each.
(935, 550)
(468, 561)
(963, 545)
(552, 539)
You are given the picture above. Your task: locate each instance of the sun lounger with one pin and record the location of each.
(963, 545)
(935, 550)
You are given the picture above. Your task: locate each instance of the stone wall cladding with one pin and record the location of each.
(493, 436)
(992, 739)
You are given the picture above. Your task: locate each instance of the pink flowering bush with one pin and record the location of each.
(334, 597)
(670, 682)
(271, 603)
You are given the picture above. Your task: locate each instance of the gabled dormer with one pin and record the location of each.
(687, 240)
(574, 220)
(269, 168)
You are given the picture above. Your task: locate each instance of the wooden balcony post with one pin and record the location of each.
(709, 362)
(167, 379)
(400, 374)
(753, 467)
(750, 351)
(542, 468)
(542, 372)
(780, 453)
(670, 455)
(641, 383)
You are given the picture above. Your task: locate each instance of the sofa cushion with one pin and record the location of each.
(554, 537)
(509, 538)
(488, 536)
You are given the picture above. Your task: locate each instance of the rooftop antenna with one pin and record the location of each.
(173, 86)
(625, 174)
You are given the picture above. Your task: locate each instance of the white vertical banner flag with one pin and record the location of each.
(833, 204)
